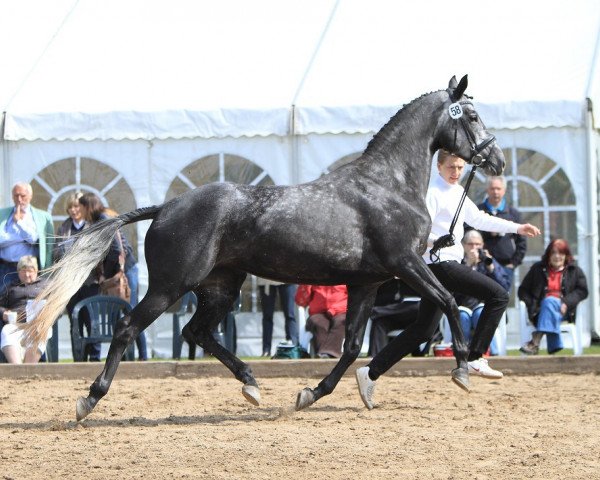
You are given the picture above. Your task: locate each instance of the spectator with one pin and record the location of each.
(551, 290)
(482, 261)
(443, 198)
(16, 303)
(24, 230)
(507, 249)
(327, 307)
(268, 294)
(71, 226)
(93, 211)
(132, 274)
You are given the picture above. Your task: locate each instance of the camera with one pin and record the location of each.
(484, 258)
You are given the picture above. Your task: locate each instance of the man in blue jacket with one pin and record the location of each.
(507, 249)
(24, 230)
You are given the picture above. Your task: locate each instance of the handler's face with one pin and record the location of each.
(451, 169)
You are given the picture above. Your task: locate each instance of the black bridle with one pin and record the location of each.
(476, 160)
(476, 148)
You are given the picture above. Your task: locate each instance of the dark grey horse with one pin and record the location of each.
(359, 225)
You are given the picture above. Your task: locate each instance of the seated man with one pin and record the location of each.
(16, 304)
(396, 307)
(327, 307)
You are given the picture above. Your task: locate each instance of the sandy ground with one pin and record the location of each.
(519, 427)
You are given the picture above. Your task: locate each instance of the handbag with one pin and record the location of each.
(117, 285)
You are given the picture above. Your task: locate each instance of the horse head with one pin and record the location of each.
(461, 131)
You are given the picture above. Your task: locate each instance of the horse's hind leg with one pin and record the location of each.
(126, 330)
(360, 304)
(216, 295)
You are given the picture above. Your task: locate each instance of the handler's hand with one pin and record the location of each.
(528, 230)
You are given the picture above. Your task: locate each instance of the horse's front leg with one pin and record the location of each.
(419, 276)
(360, 304)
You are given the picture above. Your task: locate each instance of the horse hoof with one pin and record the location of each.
(305, 398)
(252, 394)
(460, 376)
(82, 409)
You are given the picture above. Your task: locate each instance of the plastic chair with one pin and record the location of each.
(104, 312)
(570, 329)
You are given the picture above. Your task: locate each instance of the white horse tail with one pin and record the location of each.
(67, 276)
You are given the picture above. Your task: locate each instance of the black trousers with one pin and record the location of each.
(459, 278)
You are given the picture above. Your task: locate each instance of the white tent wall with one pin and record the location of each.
(149, 167)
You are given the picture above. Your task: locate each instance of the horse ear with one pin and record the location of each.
(460, 88)
(452, 84)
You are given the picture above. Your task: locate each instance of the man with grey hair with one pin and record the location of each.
(508, 249)
(24, 230)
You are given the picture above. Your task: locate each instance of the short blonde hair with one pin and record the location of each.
(27, 261)
(72, 199)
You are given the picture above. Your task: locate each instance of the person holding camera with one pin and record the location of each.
(479, 259)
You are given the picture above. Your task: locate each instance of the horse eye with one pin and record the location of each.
(473, 117)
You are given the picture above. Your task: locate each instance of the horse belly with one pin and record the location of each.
(308, 256)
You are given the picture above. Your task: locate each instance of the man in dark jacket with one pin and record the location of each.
(508, 249)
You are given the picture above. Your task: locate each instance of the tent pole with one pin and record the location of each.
(592, 237)
(5, 170)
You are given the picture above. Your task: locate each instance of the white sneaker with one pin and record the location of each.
(481, 367)
(366, 386)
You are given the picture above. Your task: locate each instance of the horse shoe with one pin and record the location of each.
(252, 394)
(305, 398)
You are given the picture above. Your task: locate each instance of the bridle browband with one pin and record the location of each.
(476, 160)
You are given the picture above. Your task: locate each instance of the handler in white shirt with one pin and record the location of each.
(443, 199)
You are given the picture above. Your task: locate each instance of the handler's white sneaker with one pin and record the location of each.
(366, 386)
(481, 367)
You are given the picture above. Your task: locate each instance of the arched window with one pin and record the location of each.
(223, 167)
(53, 184)
(543, 194)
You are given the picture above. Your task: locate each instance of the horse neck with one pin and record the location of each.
(405, 145)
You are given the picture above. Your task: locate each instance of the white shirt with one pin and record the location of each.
(442, 200)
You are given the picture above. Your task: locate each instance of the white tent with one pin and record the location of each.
(148, 86)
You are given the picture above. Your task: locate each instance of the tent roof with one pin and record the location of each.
(112, 69)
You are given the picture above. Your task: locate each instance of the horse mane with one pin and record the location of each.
(391, 129)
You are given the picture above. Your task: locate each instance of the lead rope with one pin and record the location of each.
(448, 239)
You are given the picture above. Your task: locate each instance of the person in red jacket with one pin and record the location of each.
(327, 307)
